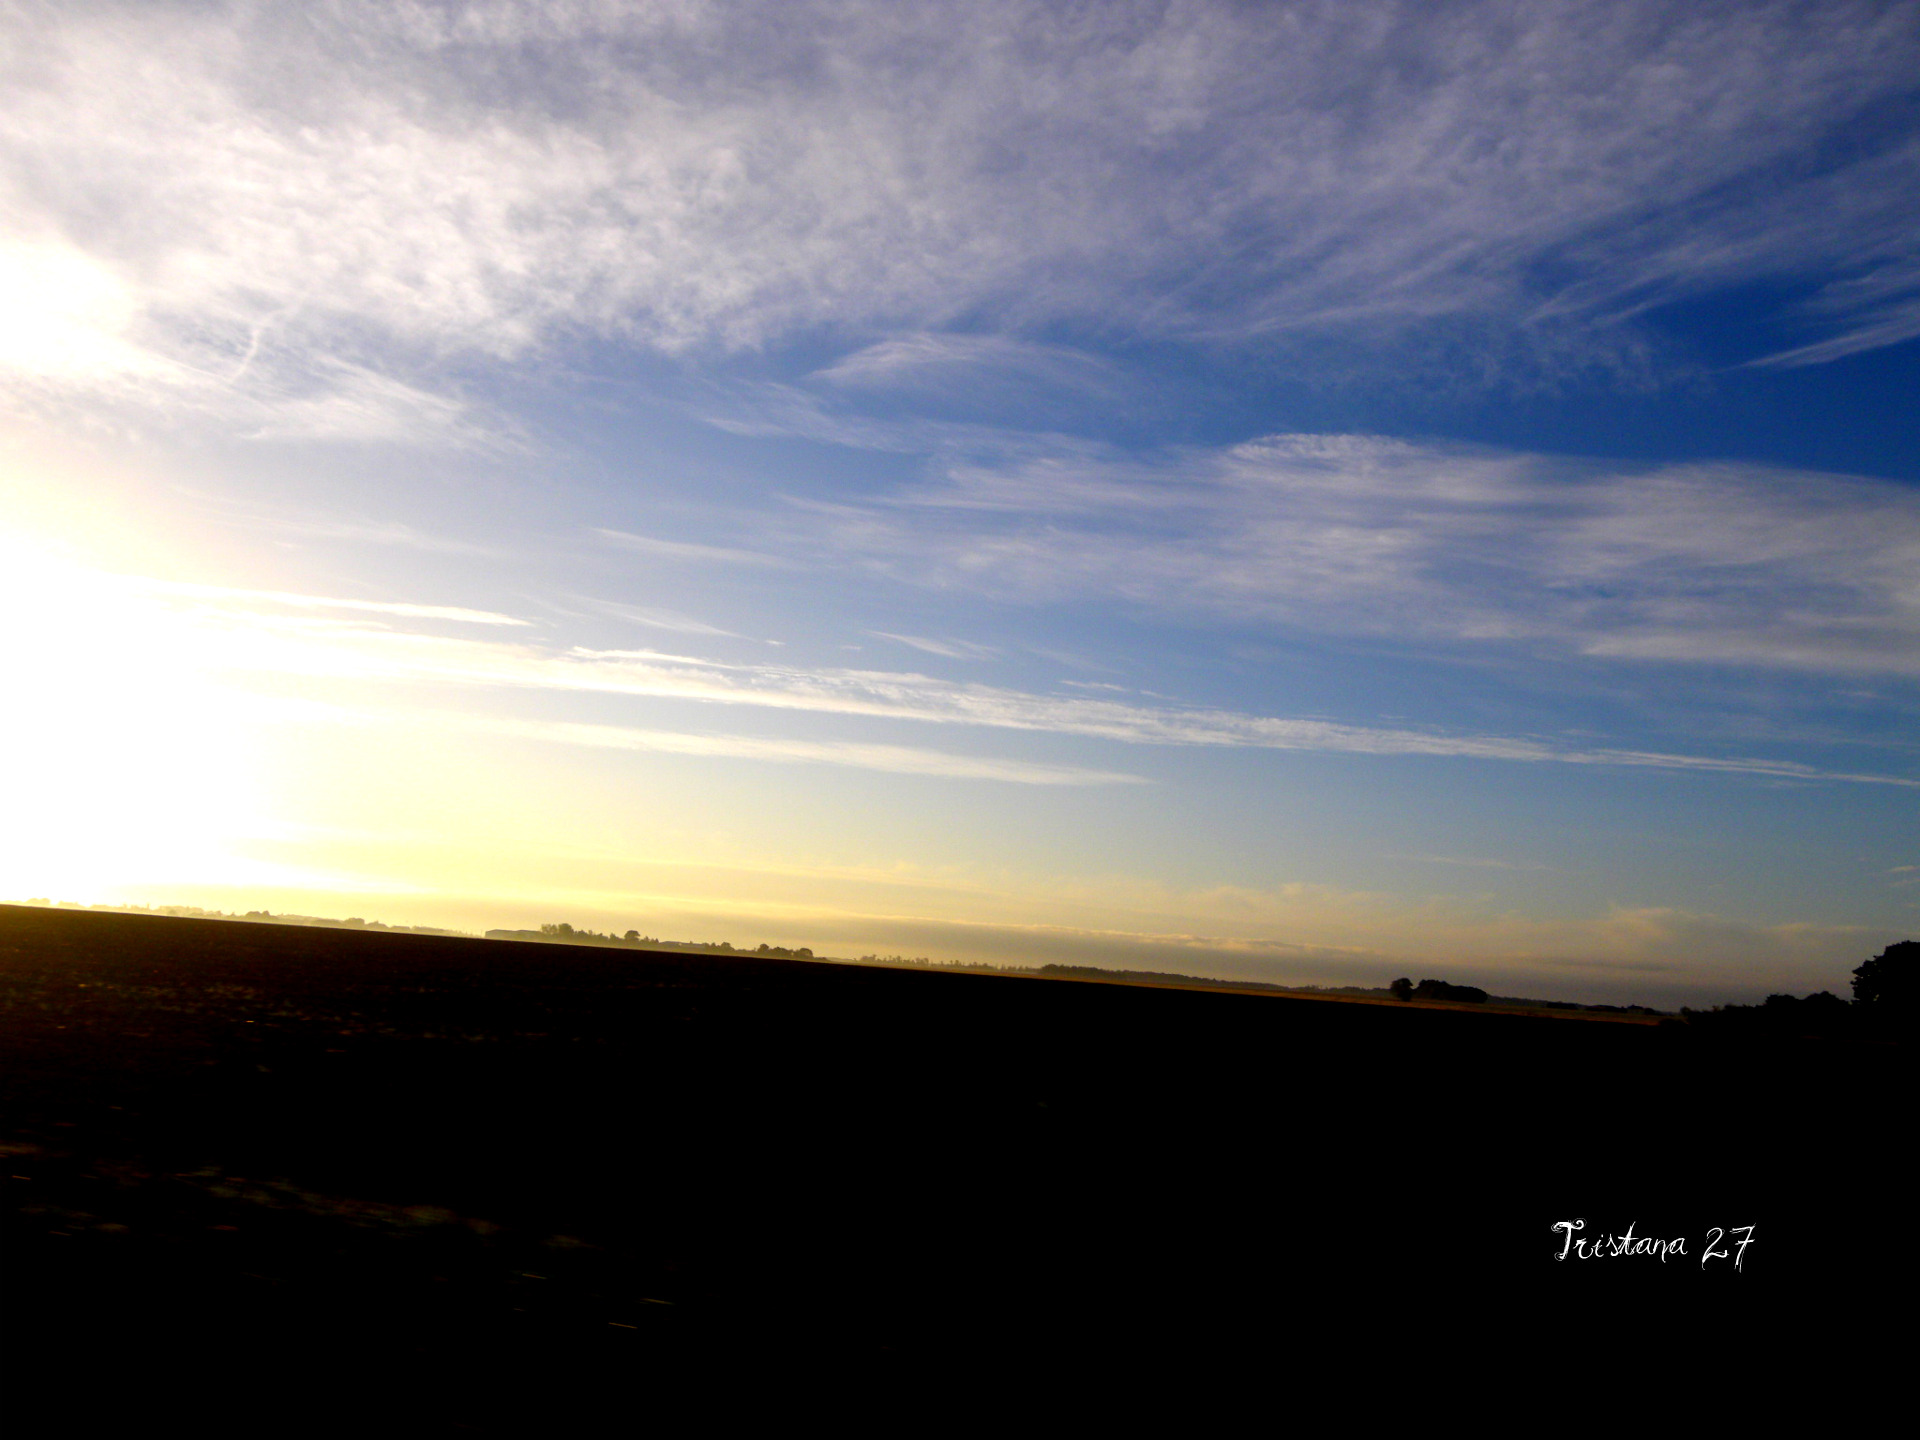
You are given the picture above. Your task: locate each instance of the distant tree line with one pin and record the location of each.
(1883, 1005)
(1405, 989)
(1886, 994)
(564, 933)
(921, 962)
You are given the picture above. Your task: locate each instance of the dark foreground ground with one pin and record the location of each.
(507, 1175)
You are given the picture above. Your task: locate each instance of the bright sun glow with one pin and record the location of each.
(125, 763)
(67, 317)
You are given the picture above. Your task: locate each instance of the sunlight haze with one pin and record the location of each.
(1306, 493)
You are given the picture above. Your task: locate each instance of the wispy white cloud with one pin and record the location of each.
(269, 643)
(950, 649)
(355, 404)
(686, 550)
(1427, 544)
(290, 217)
(1889, 328)
(894, 759)
(244, 599)
(968, 365)
(383, 533)
(858, 755)
(84, 334)
(656, 619)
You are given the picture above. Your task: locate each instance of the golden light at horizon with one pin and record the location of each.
(178, 742)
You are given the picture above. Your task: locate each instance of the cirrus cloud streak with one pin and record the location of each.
(1423, 544)
(289, 218)
(238, 640)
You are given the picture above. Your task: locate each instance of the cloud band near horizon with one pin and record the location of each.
(241, 640)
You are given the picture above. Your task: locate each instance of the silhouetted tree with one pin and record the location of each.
(1443, 990)
(1890, 981)
(1402, 988)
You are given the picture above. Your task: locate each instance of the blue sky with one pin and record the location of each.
(1305, 492)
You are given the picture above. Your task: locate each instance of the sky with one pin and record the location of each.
(1296, 492)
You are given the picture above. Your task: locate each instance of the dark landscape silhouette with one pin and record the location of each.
(565, 933)
(330, 1148)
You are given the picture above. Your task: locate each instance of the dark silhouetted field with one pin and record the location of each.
(318, 1155)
